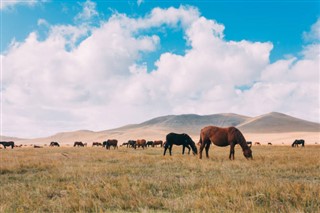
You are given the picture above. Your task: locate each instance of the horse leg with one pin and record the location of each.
(183, 148)
(188, 150)
(201, 149)
(207, 149)
(231, 155)
(170, 150)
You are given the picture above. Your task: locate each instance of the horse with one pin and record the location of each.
(223, 137)
(131, 143)
(249, 143)
(110, 143)
(78, 143)
(96, 144)
(269, 143)
(257, 143)
(54, 143)
(124, 144)
(149, 143)
(140, 142)
(36, 146)
(297, 142)
(7, 143)
(179, 139)
(156, 143)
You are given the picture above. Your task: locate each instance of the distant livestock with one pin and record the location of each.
(110, 143)
(131, 143)
(156, 143)
(296, 143)
(149, 143)
(78, 144)
(223, 137)
(179, 139)
(257, 143)
(7, 143)
(96, 144)
(270, 144)
(140, 142)
(54, 143)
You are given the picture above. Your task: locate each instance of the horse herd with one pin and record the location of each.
(218, 136)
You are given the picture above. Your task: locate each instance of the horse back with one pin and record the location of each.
(217, 135)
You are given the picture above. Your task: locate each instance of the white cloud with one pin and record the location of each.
(84, 77)
(314, 34)
(88, 11)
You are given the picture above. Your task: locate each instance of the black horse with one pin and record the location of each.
(297, 142)
(54, 143)
(131, 143)
(180, 139)
(7, 143)
(149, 143)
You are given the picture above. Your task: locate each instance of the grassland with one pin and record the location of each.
(67, 179)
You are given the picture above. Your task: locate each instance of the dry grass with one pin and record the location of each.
(279, 179)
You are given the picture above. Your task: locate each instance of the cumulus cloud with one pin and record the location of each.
(94, 77)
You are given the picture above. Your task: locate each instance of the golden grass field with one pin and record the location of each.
(68, 179)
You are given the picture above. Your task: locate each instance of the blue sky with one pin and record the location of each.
(70, 65)
(280, 22)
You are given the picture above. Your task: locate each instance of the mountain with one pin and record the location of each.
(277, 125)
(191, 121)
(277, 122)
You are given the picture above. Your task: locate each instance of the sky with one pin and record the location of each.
(97, 65)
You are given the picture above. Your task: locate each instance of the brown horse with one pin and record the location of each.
(96, 144)
(141, 142)
(156, 143)
(223, 137)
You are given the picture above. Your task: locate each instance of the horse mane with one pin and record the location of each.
(240, 138)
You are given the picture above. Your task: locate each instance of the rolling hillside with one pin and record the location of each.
(280, 126)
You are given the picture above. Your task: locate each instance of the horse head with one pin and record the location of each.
(247, 153)
(190, 142)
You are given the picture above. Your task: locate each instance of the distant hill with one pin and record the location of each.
(190, 122)
(277, 122)
(157, 128)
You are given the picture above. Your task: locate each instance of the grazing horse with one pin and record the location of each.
(78, 143)
(110, 143)
(96, 144)
(131, 143)
(149, 143)
(297, 142)
(269, 143)
(7, 143)
(54, 143)
(257, 143)
(223, 137)
(156, 143)
(140, 142)
(179, 139)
